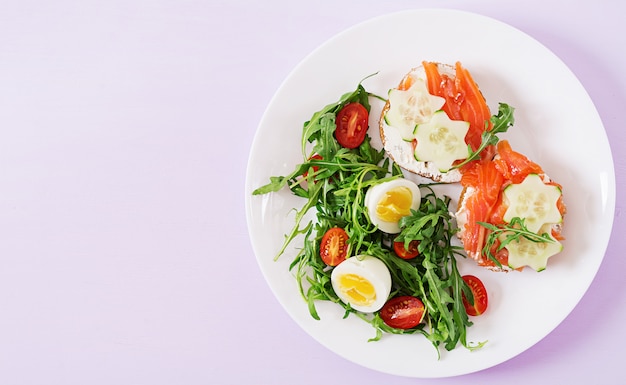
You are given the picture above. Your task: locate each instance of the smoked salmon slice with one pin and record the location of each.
(464, 101)
(483, 184)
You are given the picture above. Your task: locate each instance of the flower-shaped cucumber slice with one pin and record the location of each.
(441, 141)
(534, 201)
(525, 252)
(408, 108)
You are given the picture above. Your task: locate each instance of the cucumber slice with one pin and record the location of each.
(524, 252)
(411, 107)
(533, 201)
(441, 141)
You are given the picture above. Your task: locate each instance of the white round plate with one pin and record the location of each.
(555, 121)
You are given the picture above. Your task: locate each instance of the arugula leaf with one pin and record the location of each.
(317, 129)
(507, 233)
(441, 281)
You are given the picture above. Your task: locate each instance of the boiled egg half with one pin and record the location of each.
(390, 201)
(362, 281)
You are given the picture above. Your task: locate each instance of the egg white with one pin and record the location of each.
(377, 192)
(369, 268)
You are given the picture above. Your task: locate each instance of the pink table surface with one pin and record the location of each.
(125, 128)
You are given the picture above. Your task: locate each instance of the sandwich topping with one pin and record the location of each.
(510, 214)
(534, 201)
(433, 121)
(410, 107)
(441, 141)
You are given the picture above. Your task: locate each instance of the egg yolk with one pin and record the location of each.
(359, 290)
(395, 204)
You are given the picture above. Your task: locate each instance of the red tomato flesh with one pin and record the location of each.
(404, 312)
(315, 168)
(404, 253)
(334, 246)
(480, 296)
(352, 122)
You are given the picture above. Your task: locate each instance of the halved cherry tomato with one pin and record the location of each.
(334, 246)
(315, 168)
(352, 122)
(404, 253)
(480, 296)
(404, 312)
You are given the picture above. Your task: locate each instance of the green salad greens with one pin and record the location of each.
(333, 180)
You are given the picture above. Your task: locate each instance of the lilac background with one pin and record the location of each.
(125, 128)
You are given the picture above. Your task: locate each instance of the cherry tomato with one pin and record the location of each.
(480, 296)
(404, 253)
(334, 246)
(404, 312)
(352, 122)
(315, 168)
